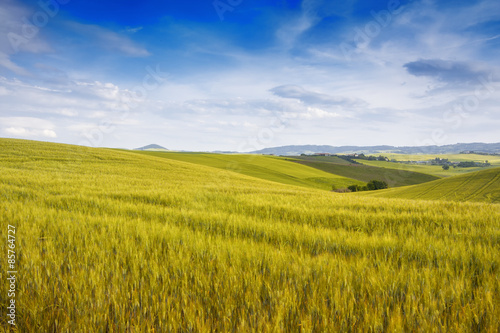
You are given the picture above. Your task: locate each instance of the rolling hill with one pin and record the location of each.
(264, 167)
(152, 147)
(475, 186)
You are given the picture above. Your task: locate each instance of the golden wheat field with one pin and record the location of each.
(112, 241)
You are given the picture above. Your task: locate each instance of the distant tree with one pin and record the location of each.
(354, 188)
(342, 190)
(446, 167)
(468, 164)
(376, 185)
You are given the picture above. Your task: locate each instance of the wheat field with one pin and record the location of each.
(112, 241)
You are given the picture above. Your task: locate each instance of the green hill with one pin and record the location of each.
(263, 167)
(475, 186)
(365, 173)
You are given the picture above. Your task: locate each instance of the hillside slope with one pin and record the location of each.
(365, 173)
(264, 167)
(475, 186)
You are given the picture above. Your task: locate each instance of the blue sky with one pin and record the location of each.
(245, 75)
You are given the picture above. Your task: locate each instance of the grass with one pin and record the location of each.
(113, 241)
(263, 167)
(365, 173)
(475, 186)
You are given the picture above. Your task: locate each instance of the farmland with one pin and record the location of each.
(436, 170)
(494, 159)
(119, 241)
(475, 186)
(393, 177)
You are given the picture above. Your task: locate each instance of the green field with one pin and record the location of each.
(115, 241)
(475, 186)
(365, 173)
(263, 167)
(435, 170)
(493, 159)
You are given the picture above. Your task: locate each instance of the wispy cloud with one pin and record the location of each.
(109, 40)
(314, 98)
(133, 30)
(12, 37)
(446, 70)
(6, 62)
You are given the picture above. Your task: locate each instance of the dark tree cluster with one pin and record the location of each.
(472, 164)
(371, 186)
(372, 158)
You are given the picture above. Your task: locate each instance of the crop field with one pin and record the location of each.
(476, 186)
(435, 170)
(366, 173)
(493, 159)
(116, 241)
(264, 167)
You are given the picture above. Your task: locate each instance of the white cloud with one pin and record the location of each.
(27, 127)
(319, 113)
(22, 132)
(16, 130)
(49, 133)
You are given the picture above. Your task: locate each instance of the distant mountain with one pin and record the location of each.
(224, 152)
(152, 147)
(490, 148)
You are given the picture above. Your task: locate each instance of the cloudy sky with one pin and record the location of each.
(244, 75)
